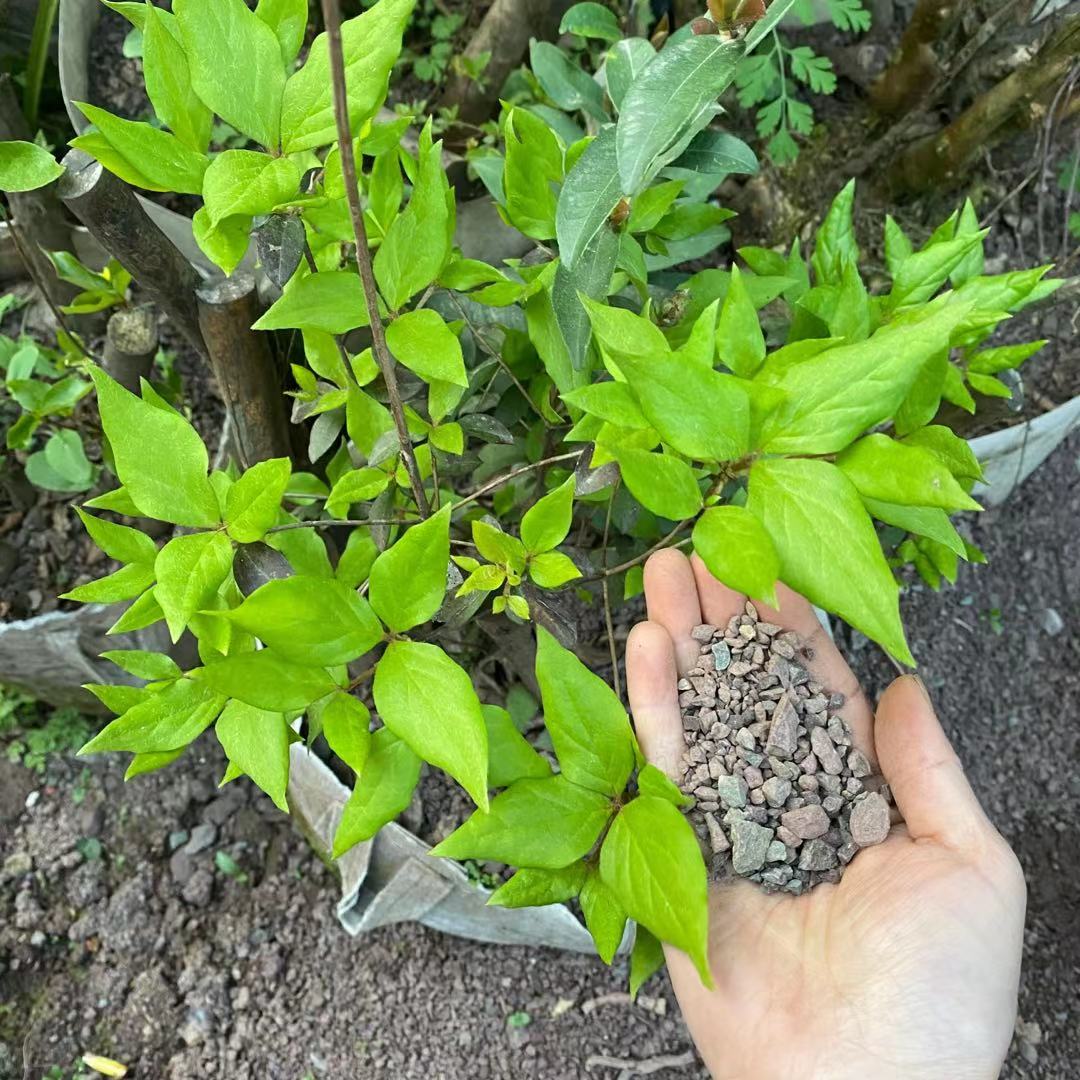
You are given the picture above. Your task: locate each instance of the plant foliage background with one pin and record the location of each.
(489, 438)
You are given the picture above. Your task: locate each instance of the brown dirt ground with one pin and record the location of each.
(183, 971)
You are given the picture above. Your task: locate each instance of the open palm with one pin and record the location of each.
(906, 968)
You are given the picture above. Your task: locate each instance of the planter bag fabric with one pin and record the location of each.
(1010, 456)
(391, 878)
(51, 656)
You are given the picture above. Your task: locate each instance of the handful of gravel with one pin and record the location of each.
(782, 797)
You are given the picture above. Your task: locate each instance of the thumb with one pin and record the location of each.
(923, 771)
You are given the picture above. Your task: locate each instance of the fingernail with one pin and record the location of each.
(922, 687)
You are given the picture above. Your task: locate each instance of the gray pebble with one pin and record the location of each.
(776, 790)
(869, 822)
(777, 852)
(749, 846)
(817, 855)
(825, 751)
(808, 822)
(858, 763)
(732, 791)
(717, 840)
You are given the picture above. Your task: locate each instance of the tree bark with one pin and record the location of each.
(937, 160)
(504, 32)
(110, 210)
(244, 368)
(131, 343)
(916, 66)
(38, 215)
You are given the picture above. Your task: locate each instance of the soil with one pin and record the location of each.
(170, 964)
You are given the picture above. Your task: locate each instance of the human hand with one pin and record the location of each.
(906, 968)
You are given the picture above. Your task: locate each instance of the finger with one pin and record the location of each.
(718, 602)
(821, 657)
(654, 700)
(671, 598)
(923, 771)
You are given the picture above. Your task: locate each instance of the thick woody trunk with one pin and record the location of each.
(244, 367)
(916, 66)
(504, 32)
(111, 212)
(939, 159)
(38, 215)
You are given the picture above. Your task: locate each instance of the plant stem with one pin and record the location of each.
(332, 18)
(494, 353)
(500, 480)
(326, 523)
(616, 680)
(610, 571)
(32, 270)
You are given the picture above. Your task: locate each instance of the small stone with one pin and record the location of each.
(745, 738)
(18, 865)
(1051, 621)
(776, 877)
(816, 855)
(177, 839)
(776, 790)
(807, 822)
(37, 939)
(202, 836)
(787, 837)
(703, 633)
(825, 751)
(749, 846)
(739, 669)
(809, 764)
(777, 852)
(732, 791)
(807, 783)
(752, 776)
(783, 731)
(869, 822)
(837, 731)
(757, 797)
(721, 654)
(717, 840)
(858, 763)
(832, 805)
(828, 783)
(846, 851)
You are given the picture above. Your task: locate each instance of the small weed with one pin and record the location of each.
(228, 866)
(518, 1019)
(38, 734)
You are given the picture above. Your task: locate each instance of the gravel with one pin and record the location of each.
(755, 727)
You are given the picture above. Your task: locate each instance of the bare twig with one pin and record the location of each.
(616, 680)
(643, 1067)
(491, 485)
(327, 523)
(663, 543)
(494, 353)
(332, 17)
(32, 268)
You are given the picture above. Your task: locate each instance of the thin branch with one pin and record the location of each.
(332, 18)
(494, 353)
(612, 570)
(500, 480)
(327, 523)
(309, 258)
(607, 598)
(32, 270)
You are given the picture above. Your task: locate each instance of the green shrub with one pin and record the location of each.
(550, 422)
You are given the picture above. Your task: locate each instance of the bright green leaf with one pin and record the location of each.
(257, 743)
